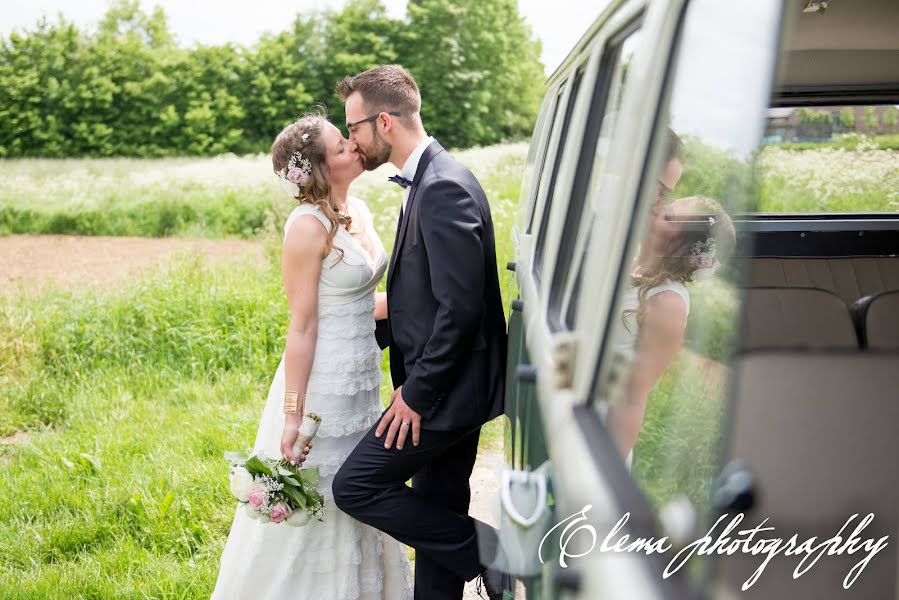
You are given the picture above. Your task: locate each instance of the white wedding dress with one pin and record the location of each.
(338, 558)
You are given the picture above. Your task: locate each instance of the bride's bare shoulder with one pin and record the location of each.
(305, 235)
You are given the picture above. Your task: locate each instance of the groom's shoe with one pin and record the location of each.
(494, 583)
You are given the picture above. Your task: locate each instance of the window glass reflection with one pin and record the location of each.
(665, 364)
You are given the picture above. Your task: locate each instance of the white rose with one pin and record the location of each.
(241, 483)
(252, 512)
(298, 518)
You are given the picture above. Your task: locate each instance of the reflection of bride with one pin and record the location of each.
(656, 306)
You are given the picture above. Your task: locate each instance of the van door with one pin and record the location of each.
(622, 355)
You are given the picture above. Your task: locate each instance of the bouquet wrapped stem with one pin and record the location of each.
(273, 490)
(308, 429)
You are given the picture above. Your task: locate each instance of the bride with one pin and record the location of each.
(332, 262)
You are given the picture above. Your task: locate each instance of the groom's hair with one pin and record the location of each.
(385, 88)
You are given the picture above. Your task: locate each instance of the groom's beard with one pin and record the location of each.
(376, 155)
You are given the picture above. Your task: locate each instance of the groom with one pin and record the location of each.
(447, 338)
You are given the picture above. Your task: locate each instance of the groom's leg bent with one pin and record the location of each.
(445, 481)
(371, 487)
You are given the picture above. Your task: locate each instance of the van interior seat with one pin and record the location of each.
(818, 430)
(807, 318)
(850, 277)
(877, 318)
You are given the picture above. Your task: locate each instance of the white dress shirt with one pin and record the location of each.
(411, 166)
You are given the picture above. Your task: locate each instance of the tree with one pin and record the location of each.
(357, 38)
(891, 117)
(813, 123)
(276, 92)
(870, 118)
(35, 90)
(476, 64)
(130, 89)
(125, 19)
(847, 118)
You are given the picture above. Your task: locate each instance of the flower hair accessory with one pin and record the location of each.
(296, 173)
(703, 258)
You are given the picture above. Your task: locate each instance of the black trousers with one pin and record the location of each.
(431, 516)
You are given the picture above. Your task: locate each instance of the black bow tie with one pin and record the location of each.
(400, 181)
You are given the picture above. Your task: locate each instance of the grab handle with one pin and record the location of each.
(510, 478)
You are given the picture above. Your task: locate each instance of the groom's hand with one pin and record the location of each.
(398, 420)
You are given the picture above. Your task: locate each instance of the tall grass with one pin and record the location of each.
(129, 399)
(829, 180)
(233, 196)
(227, 196)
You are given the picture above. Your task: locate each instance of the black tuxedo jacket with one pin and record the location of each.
(445, 328)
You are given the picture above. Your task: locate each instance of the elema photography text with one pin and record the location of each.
(728, 541)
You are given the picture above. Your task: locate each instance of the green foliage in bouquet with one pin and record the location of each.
(275, 490)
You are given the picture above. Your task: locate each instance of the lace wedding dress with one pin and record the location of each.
(338, 558)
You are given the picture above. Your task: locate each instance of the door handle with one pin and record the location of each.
(735, 489)
(523, 478)
(526, 373)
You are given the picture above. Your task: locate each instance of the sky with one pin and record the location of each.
(217, 22)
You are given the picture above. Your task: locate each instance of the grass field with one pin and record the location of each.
(125, 400)
(128, 399)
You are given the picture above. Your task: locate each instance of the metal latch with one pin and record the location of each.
(563, 359)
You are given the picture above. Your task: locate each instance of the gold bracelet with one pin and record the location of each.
(290, 402)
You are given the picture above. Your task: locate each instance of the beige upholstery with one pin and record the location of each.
(818, 431)
(882, 322)
(849, 278)
(778, 318)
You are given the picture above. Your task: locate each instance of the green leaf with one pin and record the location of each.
(297, 496)
(309, 475)
(256, 466)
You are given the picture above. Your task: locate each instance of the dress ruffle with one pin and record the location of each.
(365, 305)
(348, 422)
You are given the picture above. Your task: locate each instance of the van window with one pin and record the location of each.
(662, 378)
(547, 205)
(601, 123)
(555, 118)
(533, 167)
(828, 159)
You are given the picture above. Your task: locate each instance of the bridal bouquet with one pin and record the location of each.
(275, 491)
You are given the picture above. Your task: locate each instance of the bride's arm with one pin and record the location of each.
(659, 339)
(380, 305)
(301, 264)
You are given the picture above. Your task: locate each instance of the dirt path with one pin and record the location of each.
(31, 263)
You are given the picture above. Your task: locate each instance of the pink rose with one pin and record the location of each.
(257, 496)
(280, 511)
(297, 176)
(703, 260)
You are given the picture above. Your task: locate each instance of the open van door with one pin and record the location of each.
(619, 362)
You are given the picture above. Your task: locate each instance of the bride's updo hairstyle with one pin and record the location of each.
(689, 254)
(309, 173)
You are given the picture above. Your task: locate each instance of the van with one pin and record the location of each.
(704, 338)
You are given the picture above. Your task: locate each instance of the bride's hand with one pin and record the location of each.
(380, 306)
(289, 438)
